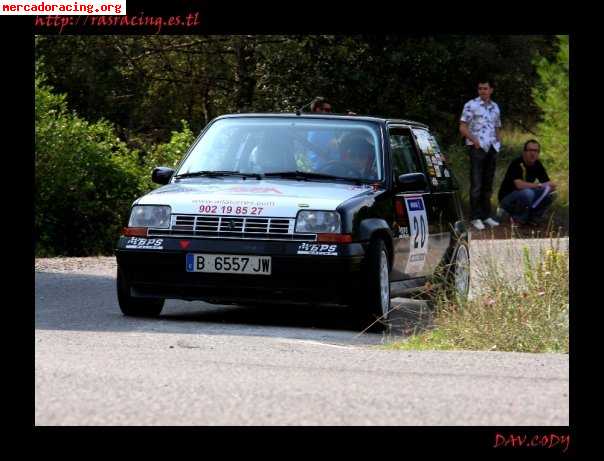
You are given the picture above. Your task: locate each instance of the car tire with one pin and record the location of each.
(457, 279)
(374, 298)
(136, 307)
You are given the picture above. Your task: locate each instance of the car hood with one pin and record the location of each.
(271, 198)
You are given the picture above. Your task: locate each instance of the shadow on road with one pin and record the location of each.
(68, 301)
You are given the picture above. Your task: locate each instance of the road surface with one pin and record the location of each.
(200, 364)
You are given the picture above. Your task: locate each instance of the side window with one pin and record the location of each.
(438, 169)
(404, 158)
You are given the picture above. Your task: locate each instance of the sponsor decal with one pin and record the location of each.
(423, 140)
(403, 232)
(181, 188)
(254, 190)
(141, 243)
(418, 241)
(317, 249)
(415, 204)
(228, 209)
(358, 187)
(233, 207)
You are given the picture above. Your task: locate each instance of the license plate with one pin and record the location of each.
(229, 264)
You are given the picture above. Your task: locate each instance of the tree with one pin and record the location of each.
(551, 94)
(146, 84)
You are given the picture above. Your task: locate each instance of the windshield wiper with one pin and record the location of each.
(216, 174)
(305, 175)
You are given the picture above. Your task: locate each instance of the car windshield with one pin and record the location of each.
(320, 149)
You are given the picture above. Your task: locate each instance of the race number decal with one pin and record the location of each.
(418, 226)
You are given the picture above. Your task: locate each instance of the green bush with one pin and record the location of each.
(168, 154)
(85, 179)
(552, 95)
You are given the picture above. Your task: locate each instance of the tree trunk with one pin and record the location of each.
(245, 78)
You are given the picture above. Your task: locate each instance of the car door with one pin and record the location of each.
(440, 202)
(411, 226)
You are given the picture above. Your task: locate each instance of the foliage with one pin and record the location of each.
(551, 95)
(85, 179)
(529, 314)
(147, 84)
(169, 154)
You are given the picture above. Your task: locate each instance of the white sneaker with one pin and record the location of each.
(491, 222)
(477, 223)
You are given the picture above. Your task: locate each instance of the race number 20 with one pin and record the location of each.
(418, 224)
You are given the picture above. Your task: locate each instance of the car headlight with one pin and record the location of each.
(150, 216)
(317, 222)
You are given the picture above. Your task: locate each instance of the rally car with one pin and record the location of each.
(297, 208)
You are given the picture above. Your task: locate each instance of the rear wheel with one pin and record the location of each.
(374, 298)
(457, 279)
(136, 307)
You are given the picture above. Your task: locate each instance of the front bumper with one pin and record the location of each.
(297, 278)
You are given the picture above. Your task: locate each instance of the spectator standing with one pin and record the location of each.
(325, 140)
(480, 124)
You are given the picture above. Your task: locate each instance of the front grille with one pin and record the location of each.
(232, 227)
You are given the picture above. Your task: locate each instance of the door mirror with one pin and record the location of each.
(412, 182)
(162, 175)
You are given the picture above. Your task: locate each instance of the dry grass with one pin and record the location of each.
(519, 305)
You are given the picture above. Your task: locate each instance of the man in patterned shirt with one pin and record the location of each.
(480, 124)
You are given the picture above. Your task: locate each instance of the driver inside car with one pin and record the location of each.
(358, 156)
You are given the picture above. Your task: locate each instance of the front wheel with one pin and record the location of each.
(375, 292)
(136, 307)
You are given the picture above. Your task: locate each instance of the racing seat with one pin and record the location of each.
(273, 154)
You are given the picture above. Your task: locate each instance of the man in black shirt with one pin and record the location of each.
(519, 195)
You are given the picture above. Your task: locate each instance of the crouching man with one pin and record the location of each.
(525, 200)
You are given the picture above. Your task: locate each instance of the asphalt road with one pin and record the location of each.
(201, 364)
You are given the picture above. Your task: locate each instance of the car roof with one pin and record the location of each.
(307, 115)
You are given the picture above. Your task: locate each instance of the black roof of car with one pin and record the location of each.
(328, 116)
